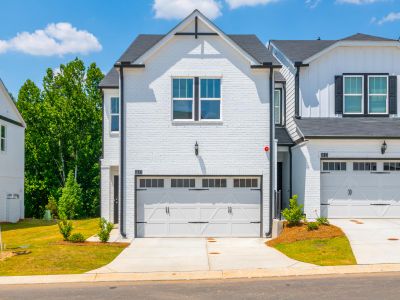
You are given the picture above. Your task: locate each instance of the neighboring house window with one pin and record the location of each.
(183, 183)
(245, 182)
(353, 94)
(391, 166)
(114, 114)
(3, 138)
(151, 183)
(210, 99)
(214, 183)
(182, 98)
(334, 166)
(378, 94)
(364, 166)
(278, 106)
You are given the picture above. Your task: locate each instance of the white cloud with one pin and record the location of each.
(55, 39)
(179, 9)
(312, 3)
(391, 17)
(358, 2)
(238, 3)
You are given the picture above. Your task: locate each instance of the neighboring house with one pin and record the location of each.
(342, 111)
(187, 134)
(12, 159)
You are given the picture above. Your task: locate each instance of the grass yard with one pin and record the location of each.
(48, 254)
(327, 246)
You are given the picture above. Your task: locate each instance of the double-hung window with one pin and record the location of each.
(353, 95)
(3, 137)
(182, 98)
(210, 99)
(278, 106)
(114, 114)
(378, 94)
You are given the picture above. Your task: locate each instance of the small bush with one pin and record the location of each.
(65, 228)
(293, 214)
(52, 207)
(105, 230)
(70, 203)
(322, 221)
(312, 226)
(77, 238)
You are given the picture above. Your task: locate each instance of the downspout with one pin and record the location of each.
(290, 172)
(272, 149)
(297, 92)
(122, 152)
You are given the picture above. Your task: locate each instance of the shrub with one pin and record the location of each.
(105, 230)
(77, 238)
(322, 221)
(293, 214)
(312, 226)
(65, 228)
(70, 203)
(52, 207)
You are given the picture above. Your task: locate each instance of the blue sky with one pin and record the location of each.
(37, 34)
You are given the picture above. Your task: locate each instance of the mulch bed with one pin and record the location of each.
(300, 233)
(121, 245)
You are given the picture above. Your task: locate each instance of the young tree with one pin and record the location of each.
(70, 203)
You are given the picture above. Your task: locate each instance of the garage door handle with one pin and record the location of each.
(198, 189)
(256, 222)
(141, 222)
(380, 204)
(198, 222)
(255, 189)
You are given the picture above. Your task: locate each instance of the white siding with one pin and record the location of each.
(317, 88)
(110, 139)
(157, 145)
(306, 164)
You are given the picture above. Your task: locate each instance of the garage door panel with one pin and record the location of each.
(245, 229)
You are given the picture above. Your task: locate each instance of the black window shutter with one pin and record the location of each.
(339, 94)
(393, 95)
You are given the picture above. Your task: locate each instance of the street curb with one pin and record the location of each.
(199, 275)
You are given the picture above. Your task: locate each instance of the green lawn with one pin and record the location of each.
(324, 252)
(48, 255)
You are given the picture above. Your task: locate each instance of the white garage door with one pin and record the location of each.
(360, 189)
(198, 207)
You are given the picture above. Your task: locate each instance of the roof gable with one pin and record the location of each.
(10, 103)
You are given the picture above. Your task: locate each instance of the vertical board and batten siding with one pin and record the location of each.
(158, 146)
(307, 163)
(110, 160)
(317, 82)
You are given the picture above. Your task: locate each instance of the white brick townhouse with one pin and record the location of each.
(12, 159)
(208, 134)
(342, 111)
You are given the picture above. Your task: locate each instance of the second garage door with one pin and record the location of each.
(360, 189)
(198, 207)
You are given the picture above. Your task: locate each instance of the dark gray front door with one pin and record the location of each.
(116, 198)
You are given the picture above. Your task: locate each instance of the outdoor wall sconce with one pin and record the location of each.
(384, 147)
(196, 149)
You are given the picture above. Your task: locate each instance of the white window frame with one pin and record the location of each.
(280, 106)
(387, 95)
(115, 114)
(181, 99)
(344, 95)
(3, 138)
(210, 99)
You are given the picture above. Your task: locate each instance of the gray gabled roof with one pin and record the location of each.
(349, 127)
(300, 50)
(283, 136)
(248, 42)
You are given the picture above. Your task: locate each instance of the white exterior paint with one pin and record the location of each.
(159, 146)
(307, 165)
(11, 162)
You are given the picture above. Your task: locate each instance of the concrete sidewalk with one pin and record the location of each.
(199, 275)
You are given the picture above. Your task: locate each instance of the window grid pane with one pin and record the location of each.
(353, 94)
(210, 102)
(277, 106)
(334, 166)
(245, 183)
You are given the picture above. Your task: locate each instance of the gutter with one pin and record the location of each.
(122, 157)
(272, 149)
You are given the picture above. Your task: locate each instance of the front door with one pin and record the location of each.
(116, 198)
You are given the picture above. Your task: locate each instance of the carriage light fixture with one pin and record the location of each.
(196, 149)
(384, 147)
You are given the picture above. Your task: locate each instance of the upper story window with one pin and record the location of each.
(278, 106)
(3, 138)
(210, 99)
(114, 114)
(353, 94)
(182, 98)
(377, 94)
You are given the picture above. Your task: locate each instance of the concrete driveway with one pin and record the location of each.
(197, 254)
(374, 241)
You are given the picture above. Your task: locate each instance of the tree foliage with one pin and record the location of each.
(63, 134)
(70, 203)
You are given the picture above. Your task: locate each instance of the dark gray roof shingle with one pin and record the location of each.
(366, 37)
(365, 127)
(283, 136)
(279, 77)
(248, 42)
